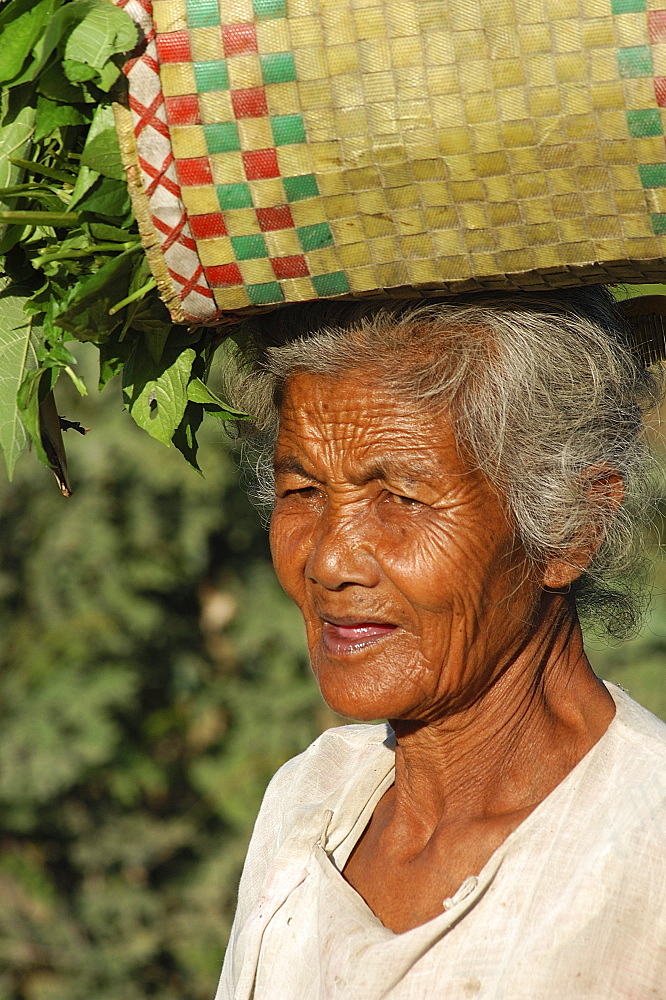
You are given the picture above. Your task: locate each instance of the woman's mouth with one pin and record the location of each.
(346, 637)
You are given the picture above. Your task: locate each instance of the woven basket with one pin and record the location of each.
(287, 150)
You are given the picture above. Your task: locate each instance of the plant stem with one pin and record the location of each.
(42, 218)
(24, 189)
(139, 293)
(39, 168)
(46, 257)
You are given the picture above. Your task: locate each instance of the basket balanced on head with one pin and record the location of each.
(289, 150)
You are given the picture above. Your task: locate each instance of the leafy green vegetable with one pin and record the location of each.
(198, 392)
(99, 36)
(101, 151)
(17, 357)
(185, 436)
(69, 242)
(15, 134)
(35, 387)
(52, 115)
(107, 197)
(21, 24)
(113, 354)
(156, 395)
(87, 313)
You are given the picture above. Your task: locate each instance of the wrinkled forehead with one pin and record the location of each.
(357, 420)
(362, 399)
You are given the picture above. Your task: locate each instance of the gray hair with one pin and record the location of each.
(541, 389)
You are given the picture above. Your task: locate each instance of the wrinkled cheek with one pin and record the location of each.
(441, 574)
(430, 583)
(288, 552)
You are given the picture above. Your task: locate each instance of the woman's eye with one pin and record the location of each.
(306, 492)
(404, 501)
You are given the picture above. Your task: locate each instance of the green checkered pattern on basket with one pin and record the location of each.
(224, 137)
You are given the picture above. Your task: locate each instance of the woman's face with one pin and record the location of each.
(400, 556)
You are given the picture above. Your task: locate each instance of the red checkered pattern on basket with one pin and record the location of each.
(158, 171)
(657, 31)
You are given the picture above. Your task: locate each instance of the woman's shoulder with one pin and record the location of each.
(338, 756)
(637, 729)
(626, 783)
(300, 792)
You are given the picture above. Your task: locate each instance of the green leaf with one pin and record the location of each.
(21, 24)
(105, 31)
(34, 389)
(156, 394)
(156, 340)
(77, 72)
(87, 312)
(52, 115)
(108, 367)
(107, 197)
(11, 11)
(198, 392)
(84, 182)
(185, 436)
(56, 354)
(108, 75)
(9, 237)
(151, 317)
(102, 151)
(100, 30)
(17, 357)
(54, 85)
(101, 232)
(48, 41)
(15, 135)
(113, 354)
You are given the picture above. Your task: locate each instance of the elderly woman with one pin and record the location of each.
(455, 484)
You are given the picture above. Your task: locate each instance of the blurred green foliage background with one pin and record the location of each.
(153, 677)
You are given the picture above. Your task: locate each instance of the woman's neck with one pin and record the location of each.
(466, 780)
(505, 752)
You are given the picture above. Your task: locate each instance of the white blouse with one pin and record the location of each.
(572, 906)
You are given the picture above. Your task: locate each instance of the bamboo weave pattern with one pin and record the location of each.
(327, 148)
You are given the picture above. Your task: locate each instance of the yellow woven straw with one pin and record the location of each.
(369, 147)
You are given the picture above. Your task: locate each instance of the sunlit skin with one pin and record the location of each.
(420, 607)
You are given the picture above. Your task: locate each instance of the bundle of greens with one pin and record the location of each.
(70, 249)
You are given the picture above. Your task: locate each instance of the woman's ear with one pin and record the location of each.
(605, 490)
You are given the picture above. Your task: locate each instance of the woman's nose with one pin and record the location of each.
(342, 552)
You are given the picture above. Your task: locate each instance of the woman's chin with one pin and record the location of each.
(359, 691)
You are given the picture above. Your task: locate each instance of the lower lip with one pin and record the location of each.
(345, 639)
